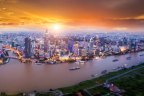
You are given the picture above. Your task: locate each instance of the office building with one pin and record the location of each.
(28, 48)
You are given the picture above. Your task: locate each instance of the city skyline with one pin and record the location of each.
(71, 47)
(113, 15)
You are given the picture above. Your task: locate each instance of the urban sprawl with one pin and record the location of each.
(50, 49)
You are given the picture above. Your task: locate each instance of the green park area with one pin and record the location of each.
(132, 83)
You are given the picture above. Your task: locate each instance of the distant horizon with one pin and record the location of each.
(84, 30)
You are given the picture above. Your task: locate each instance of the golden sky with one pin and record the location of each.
(118, 14)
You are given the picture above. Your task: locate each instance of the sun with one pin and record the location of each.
(56, 26)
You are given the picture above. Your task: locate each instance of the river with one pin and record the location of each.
(19, 77)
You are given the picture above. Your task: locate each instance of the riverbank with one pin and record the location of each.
(91, 84)
(129, 83)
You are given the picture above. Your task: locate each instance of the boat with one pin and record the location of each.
(94, 75)
(123, 67)
(128, 58)
(115, 60)
(38, 64)
(52, 62)
(77, 62)
(104, 72)
(115, 68)
(81, 62)
(141, 55)
(77, 67)
(74, 68)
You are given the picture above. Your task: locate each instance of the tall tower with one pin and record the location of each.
(13, 43)
(46, 41)
(28, 48)
(91, 43)
(70, 45)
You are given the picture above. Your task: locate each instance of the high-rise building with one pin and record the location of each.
(76, 46)
(46, 41)
(125, 41)
(28, 48)
(70, 45)
(91, 43)
(13, 44)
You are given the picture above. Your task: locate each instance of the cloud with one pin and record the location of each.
(137, 21)
(107, 13)
(8, 1)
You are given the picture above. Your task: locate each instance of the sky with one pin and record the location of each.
(72, 14)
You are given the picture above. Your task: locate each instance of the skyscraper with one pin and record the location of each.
(76, 47)
(13, 44)
(91, 43)
(70, 45)
(46, 41)
(28, 48)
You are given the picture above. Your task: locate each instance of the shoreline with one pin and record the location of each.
(101, 78)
